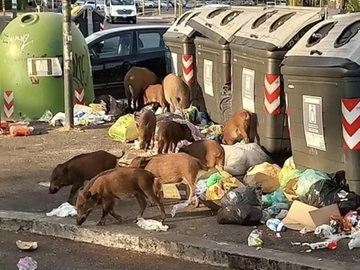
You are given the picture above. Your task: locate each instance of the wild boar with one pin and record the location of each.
(114, 184)
(154, 94)
(177, 92)
(172, 168)
(146, 127)
(80, 169)
(237, 128)
(209, 152)
(136, 80)
(170, 133)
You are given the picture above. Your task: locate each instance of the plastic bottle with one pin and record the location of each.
(27, 263)
(276, 208)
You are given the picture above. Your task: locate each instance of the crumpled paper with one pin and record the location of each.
(151, 225)
(64, 210)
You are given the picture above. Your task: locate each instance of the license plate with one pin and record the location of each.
(124, 16)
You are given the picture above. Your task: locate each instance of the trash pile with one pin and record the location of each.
(285, 198)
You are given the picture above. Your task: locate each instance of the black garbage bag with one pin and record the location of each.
(241, 206)
(335, 190)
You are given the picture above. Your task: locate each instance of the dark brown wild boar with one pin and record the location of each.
(209, 152)
(237, 128)
(172, 168)
(177, 92)
(155, 94)
(136, 80)
(170, 133)
(114, 184)
(146, 127)
(80, 169)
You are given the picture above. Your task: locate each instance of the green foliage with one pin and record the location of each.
(353, 6)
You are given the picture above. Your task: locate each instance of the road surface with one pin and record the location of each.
(61, 254)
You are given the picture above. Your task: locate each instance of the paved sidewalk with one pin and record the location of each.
(25, 161)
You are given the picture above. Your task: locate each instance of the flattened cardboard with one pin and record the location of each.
(302, 215)
(175, 191)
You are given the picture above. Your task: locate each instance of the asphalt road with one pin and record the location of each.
(56, 253)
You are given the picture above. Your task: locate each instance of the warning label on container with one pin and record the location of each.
(248, 90)
(174, 63)
(313, 122)
(208, 80)
(43, 67)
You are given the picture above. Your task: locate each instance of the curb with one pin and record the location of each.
(156, 17)
(166, 244)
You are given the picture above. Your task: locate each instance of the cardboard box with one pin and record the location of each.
(175, 191)
(302, 215)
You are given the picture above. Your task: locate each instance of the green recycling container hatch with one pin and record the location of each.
(31, 64)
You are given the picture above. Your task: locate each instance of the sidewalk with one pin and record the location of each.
(193, 234)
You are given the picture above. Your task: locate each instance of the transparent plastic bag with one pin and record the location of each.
(27, 263)
(255, 238)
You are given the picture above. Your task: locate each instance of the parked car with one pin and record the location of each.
(114, 51)
(98, 5)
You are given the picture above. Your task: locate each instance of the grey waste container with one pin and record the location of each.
(180, 40)
(322, 81)
(217, 25)
(89, 21)
(257, 51)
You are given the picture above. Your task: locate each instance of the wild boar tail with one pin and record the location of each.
(122, 154)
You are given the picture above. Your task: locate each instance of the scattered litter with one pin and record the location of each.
(44, 184)
(283, 213)
(320, 259)
(177, 207)
(330, 244)
(255, 238)
(27, 263)
(151, 225)
(355, 241)
(26, 245)
(276, 226)
(325, 231)
(63, 210)
(305, 230)
(258, 248)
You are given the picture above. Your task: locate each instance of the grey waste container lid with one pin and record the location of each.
(334, 42)
(83, 13)
(221, 23)
(277, 28)
(180, 31)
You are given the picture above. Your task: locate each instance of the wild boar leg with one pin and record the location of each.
(142, 203)
(75, 187)
(155, 199)
(105, 212)
(110, 207)
(160, 146)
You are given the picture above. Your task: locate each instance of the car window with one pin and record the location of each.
(150, 41)
(113, 46)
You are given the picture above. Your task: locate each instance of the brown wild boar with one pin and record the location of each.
(155, 94)
(136, 80)
(237, 128)
(114, 184)
(172, 168)
(170, 133)
(177, 92)
(80, 169)
(146, 127)
(209, 152)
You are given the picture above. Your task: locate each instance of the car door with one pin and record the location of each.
(116, 55)
(151, 50)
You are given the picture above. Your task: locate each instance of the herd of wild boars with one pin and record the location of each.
(100, 179)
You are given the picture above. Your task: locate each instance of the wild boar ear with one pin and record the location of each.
(63, 168)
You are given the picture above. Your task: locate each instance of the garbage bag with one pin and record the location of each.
(336, 190)
(240, 157)
(288, 172)
(276, 197)
(124, 129)
(308, 178)
(241, 206)
(266, 175)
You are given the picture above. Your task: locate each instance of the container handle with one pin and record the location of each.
(208, 25)
(312, 52)
(254, 36)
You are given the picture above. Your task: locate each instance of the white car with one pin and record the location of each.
(78, 3)
(98, 5)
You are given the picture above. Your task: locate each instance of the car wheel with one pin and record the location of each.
(111, 20)
(134, 21)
